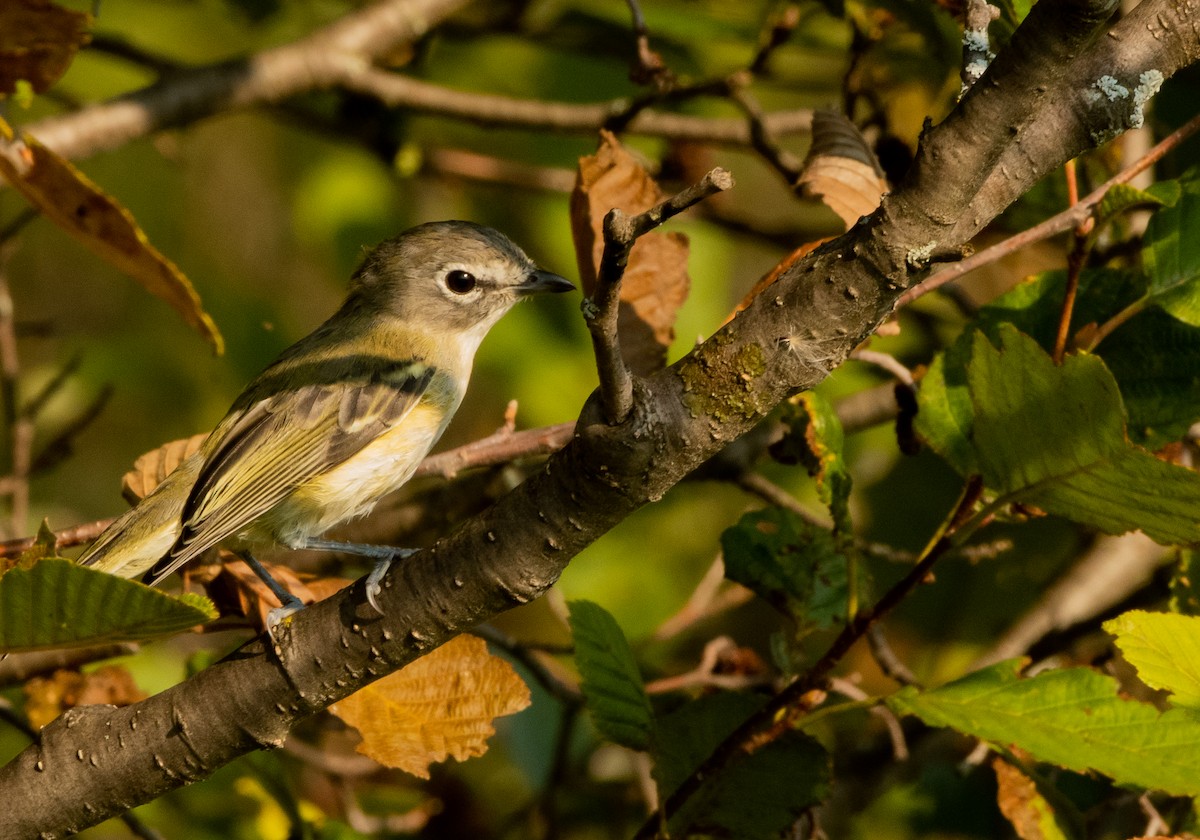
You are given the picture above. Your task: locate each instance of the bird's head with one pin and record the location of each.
(457, 277)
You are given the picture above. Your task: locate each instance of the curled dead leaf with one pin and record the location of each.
(76, 204)
(38, 42)
(656, 281)
(1031, 815)
(440, 706)
(237, 590)
(152, 467)
(841, 169)
(774, 274)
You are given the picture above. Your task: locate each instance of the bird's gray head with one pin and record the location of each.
(459, 276)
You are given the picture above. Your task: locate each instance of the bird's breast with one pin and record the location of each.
(351, 489)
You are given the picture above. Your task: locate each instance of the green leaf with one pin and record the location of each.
(56, 603)
(1154, 358)
(1054, 437)
(756, 795)
(612, 685)
(1171, 256)
(944, 411)
(1185, 583)
(1165, 649)
(792, 564)
(824, 439)
(45, 545)
(1122, 197)
(1156, 362)
(1072, 718)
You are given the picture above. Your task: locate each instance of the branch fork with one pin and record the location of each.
(621, 233)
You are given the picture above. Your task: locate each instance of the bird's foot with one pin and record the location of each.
(289, 607)
(374, 583)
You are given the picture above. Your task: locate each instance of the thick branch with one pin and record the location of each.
(98, 761)
(269, 76)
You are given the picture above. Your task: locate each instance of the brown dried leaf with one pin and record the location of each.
(49, 697)
(151, 468)
(841, 169)
(38, 42)
(442, 705)
(76, 204)
(656, 281)
(1022, 805)
(237, 590)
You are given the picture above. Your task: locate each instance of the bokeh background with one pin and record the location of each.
(268, 212)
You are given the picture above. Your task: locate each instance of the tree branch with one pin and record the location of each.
(600, 311)
(341, 55)
(98, 761)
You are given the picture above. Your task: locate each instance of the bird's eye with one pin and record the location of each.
(460, 282)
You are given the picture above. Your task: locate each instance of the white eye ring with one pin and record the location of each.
(460, 282)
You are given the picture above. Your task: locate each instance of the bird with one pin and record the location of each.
(339, 419)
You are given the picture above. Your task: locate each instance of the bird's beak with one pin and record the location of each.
(544, 281)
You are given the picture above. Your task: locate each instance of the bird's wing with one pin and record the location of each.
(263, 451)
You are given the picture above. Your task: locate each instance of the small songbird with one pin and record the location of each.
(341, 418)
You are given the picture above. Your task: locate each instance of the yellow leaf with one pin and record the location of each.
(72, 201)
(151, 468)
(656, 281)
(440, 706)
(48, 697)
(38, 42)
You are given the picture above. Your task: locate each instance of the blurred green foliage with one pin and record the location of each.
(268, 212)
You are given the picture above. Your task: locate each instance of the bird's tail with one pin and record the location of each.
(142, 536)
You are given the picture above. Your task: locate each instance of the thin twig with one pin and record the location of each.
(780, 713)
(342, 765)
(886, 658)
(763, 140)
(890, 721)
(27, 215)
(887, 362)
(18, 425)
(139, 828)
(621, 232)
(21, 666)
(771, 493)
(38, 401)
(705, 673)
(1075, 261)
(1056, 224)
(650, 67)
(559, 767)
(701, 603)
(60, 446)
(67, 537)
(460, 163)
(780, 29)
(117, 47)
(502, 447)
(1156, 826)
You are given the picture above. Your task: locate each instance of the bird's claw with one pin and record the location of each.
(374, 583)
